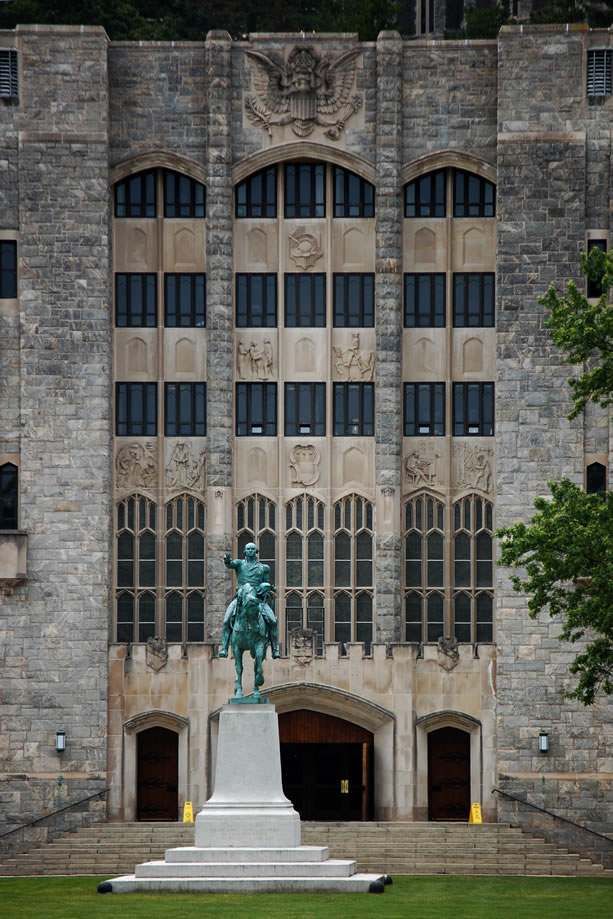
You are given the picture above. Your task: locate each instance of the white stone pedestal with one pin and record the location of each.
(247, 833)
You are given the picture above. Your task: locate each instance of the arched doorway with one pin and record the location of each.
(448, 774)
(157, 765)
(326, 764)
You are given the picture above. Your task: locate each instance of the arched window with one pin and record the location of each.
(256, 521)
(353, 571)
(304, 567)
(473, 569)
(424, 569)
(185, 570)
(9, 496)
(136, 569)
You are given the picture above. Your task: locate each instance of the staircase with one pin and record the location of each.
(112, 849)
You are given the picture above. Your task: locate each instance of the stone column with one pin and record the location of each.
(219, 324)
(388, 296)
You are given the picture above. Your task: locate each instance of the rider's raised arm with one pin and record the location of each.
(230, 563)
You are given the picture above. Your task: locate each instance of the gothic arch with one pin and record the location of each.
(132, 727)
(458, 159)
(163, 159)
(424, 725)
(303, 151)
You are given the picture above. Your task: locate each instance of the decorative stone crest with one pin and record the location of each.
(136, 466)
(254, 361)
(157, 652)
(304, 461)
(473, 466)
(448, 654)
(304, 248)
(353, 363)
(183, 470)
(302, 90)
(301, 645)
(421, 465)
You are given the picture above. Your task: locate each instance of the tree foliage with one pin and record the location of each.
(567, 549)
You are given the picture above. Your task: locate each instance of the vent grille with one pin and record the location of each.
(8, 72)
(599, 72)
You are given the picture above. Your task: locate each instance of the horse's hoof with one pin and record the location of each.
(222, 653)
(275, 655)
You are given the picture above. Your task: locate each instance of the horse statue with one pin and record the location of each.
(249, 633)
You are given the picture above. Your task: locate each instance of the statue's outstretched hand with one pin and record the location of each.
(227, 559)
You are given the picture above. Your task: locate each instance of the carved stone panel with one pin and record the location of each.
(255, 356)
(157, 652)
(301, 646)
(354, 362)
(184, 469)
(304, 461)
(422, 465)
(304, 248)
(473, 465)
(136, 466)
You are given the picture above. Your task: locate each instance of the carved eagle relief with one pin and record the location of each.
(303, 90)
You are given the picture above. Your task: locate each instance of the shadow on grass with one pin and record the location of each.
(407, 898)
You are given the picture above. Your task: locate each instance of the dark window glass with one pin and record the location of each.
(463, 617)
(424, 301)
(425, 197)
(305, 409)
(136, 409)
(472, 195)
(8, 270)
(599, 81)
(305, 300)
(136, 196)
(354, 409)
(305, 190)
(354, 301)
(185, 300)
(9, 491)
(473, 409)
(185, 409)
(8, 72)
(256, 409)
(135, 300)
(353, 196)
(484, 630)
(256, 300)
(256, 196)
(596, 479)
(594, 289)
(183, 197)
(473, 300)
(424, 409)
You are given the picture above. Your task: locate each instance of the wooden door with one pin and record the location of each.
(157, 795)
(448, 774)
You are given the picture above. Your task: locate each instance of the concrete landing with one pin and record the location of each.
(357, 883)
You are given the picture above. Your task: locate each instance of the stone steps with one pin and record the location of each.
(395, 848)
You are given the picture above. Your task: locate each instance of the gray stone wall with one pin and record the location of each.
(544, 159)
(55, 628)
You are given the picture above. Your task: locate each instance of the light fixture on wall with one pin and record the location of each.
(543, 742)
(60, 741)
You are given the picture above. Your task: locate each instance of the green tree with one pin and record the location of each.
(566, 550)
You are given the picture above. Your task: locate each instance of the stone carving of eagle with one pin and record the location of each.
(303, 90)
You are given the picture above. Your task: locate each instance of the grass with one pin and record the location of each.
(407, 898)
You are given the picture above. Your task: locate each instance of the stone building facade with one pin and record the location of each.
(284, 291)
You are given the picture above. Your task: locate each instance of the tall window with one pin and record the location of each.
(353, 571)
(424, 409)
(183, 196)
(256, 521)
(596, 479)
(136, 195)
(594, 289)
(304, 567)
(473, 409)
(354, 409)
(473, 196)
(9, 496)
(185, 409)
(354, 300)
(256, 409)
(136, 569)
(424, 574)
(256, 196)
(425, 196)
(8, 269)
(135, 300)
(136, 409)
(353, 196)
(305, 190)
(424, 301)
(473, 569)
(305, 409)
(305, 300)
(185, 301)
(184, 600)
(256, 300)
(473, 300)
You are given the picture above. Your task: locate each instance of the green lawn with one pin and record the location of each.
(406, 898)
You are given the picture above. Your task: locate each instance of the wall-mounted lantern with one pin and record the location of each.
(543, 742)
(60, 741)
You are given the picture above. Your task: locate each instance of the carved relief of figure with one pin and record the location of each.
(255, 361)
(136, 466)
(421, 465)
(302, 90)
(352, 363)
(183, 470)
(243, 360)
(256, 356)
(473, 467)
(268, 357)
(304, 462)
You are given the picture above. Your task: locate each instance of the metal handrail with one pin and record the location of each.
(543, 810)
(55, 813)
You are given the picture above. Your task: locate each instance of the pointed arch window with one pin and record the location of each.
(353, 571)
(304, 567)
(424, 569)
(184, 600)
(473, 569)
(135, 568)
(256, 521)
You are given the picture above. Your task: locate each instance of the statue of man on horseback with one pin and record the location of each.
(249, 621)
